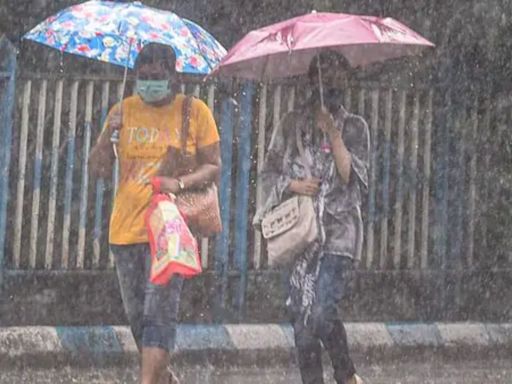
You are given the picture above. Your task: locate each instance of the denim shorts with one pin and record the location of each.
(152, 310)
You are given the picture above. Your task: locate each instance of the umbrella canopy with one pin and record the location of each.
(287, 48)
(116, 32)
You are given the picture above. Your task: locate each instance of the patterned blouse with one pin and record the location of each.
(338, 203)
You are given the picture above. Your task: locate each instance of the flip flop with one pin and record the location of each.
(172, 378)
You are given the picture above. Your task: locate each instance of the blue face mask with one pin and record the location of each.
(152, 91)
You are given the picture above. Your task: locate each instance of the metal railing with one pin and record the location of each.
(429, 183)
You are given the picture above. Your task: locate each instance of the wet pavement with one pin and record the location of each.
(496, 372)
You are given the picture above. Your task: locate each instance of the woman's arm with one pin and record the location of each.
(208, 171)
(342, 156)
(101, 157)
(205, 167)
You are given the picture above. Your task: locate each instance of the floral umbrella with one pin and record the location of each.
(115, 33)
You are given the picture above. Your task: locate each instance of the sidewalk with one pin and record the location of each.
(246, 344)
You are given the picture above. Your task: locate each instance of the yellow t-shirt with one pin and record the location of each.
(146, 134)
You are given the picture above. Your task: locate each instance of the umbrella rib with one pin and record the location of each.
(197, 44)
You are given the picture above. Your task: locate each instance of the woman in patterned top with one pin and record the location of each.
(336, 145)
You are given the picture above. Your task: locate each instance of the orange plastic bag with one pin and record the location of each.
(173, 247)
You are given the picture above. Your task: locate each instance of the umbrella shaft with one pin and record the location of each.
(320, 84)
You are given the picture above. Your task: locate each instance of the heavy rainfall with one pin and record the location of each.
(238, 191)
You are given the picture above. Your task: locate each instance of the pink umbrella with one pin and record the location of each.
(287, 48)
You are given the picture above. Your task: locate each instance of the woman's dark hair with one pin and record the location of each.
(155, 52)
(328, 58)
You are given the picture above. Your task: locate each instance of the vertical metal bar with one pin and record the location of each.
(222, 246)
(259, 167)
(22, 164)
(441, 167)
(486, 161)
(197, 91)
(205, 242)
(38, 165)
(291, 99)
(54, 174)
(70, 166)
(276, 117)
(8, 105)
(459, 197)
(100, 188)
(373, 172)
(84, 188)
(397, 241)
(360, 107)
(426, 183)
(242, 200)
(348, 99)
(385, 179)
(411, 228)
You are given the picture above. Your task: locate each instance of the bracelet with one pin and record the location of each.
(156, 183)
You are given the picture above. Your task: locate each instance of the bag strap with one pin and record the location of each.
(185, 123)
(302, 153)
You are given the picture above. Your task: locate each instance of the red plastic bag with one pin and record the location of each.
(173, 247)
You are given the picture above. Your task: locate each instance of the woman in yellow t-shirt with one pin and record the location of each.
(149, 131)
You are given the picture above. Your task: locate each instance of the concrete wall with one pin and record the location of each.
(87, 298)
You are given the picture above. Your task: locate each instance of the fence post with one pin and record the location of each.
(100, 190)
(70, 166)
(54, 176)
(386, 160)
(84, 186)
(397, 235)
(242, 193)
(425, 203)
(259, 167)
(443, 123)
(374, 123)
(413, 164)
(20, 184)
(458, 199)
(38, 168)
(222, 246)
(472, 182)
(6, 121)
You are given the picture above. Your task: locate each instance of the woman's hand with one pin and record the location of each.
(308, 187)
(325, 122)
(115, 121)
(162, 184)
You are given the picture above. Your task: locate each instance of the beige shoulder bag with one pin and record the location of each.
(292, 226)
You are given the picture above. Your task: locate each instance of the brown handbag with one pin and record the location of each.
(200, 207)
